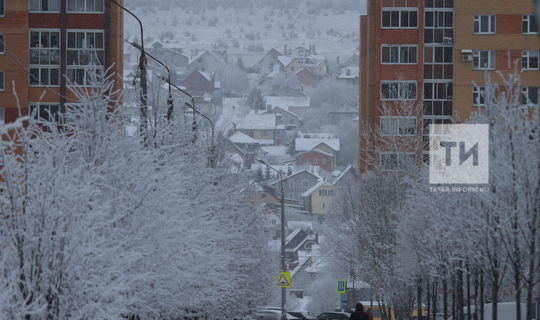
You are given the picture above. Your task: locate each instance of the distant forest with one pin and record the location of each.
(312, 6)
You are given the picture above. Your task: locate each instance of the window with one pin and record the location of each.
(483, 59)
(2, 43)
(2, 81)
(479, 96)
(399, 17)
(529, 96)
(529, 59)
(484, 24)
(396, 160)
(529, 24)
(398, 54)
(398, 126)
(439, 3)
(398, 90)
(85, 6)
(45, 112)
(2, 114)
(326, 192)
(2, 12)
(439, 26)
(438, 96)
(44, 58)
(84, 56)
(44, 5)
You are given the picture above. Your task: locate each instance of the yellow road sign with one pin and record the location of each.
(341, 286)
(284, 280)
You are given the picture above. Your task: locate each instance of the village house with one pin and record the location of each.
(208, 61)
(316, 157)
(346, 113)
(244, 146)
(301, 79)
(171, 54)
(290, 120)
(263, 127)
(349, 75)
(199, 83)
(296, 184)
(318, 199)
(268, 62)
(298, 240)
(326, 143)
(297, 105)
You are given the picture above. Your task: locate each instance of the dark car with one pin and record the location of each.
(334, 315)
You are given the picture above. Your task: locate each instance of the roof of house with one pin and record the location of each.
(285, 60)
(306, 144)
(257, 121)
(285, 102)
(272, 52)
(275, 151)
(317, 151)
(239, 137)
(295, 174)
(332, 182)
(349, 73)
(206, 52)
(315, 187)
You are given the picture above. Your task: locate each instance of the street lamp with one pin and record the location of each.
(212, 156)
(283, 264)
(142, 71)
(170, 105)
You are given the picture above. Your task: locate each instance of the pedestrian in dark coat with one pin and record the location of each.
(359, 313)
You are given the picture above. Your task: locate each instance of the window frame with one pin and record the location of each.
(399, 53)
(492, 23)
(526, 20)
(492, 59)
(400, 160)
(2, 43)
(479, 94)
(79, 66)
(56, 116)
(399, 10)
(2, 80)
(41, 9)
(526, 56)
(400, 86)
(2, 115)
(525, 93)
(398, 128)
(2, 8)
(39, 66)
(85, 12)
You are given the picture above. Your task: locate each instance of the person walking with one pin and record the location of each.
(359, 313)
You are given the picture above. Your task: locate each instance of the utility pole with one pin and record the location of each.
(142, 74)
(283, 224)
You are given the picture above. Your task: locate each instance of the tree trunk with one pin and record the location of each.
(532, 266)
(428, 301)
(476, 293)
(495, 295)
(445, 298)
(482, 297)
(434, 303)
(460, 293)
(419, 299)
(469, 313)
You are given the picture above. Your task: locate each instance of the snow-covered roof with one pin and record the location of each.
(206, 75)
(315, 187)
(285, 103)
(268, 141)
(257, 121)
(349, 73)
(306, 144)
(285, 60)
(318, 151)
(275, 151)
(203, 53)
(239, 137)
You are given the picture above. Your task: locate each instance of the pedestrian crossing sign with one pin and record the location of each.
(284, 280)
(341, 286)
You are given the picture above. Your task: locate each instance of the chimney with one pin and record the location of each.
(285, 49)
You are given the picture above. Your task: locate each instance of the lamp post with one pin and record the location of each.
(283, 263)
(212, 156)
(170, 105)
(142, 71)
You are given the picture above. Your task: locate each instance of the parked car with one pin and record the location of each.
(270, 314)
(334, 315)
(302, 315)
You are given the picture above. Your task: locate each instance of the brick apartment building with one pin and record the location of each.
(428, 54)
(51, 38)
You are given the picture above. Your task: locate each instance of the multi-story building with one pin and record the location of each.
(48, 46)
(432, 57)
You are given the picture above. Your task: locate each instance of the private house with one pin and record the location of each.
(171, 54)
(296, 184)
(294, 104)
(207, 61)
(318, 199)
(268, 62)
(346, 113)
(316, 157)
(199, 83)
(290, 120)
(319, 142)
(349, 75)
(244, 146)
(301, 79)
(289, 65)
(298, 240)
(263, 127)
(352, 61)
